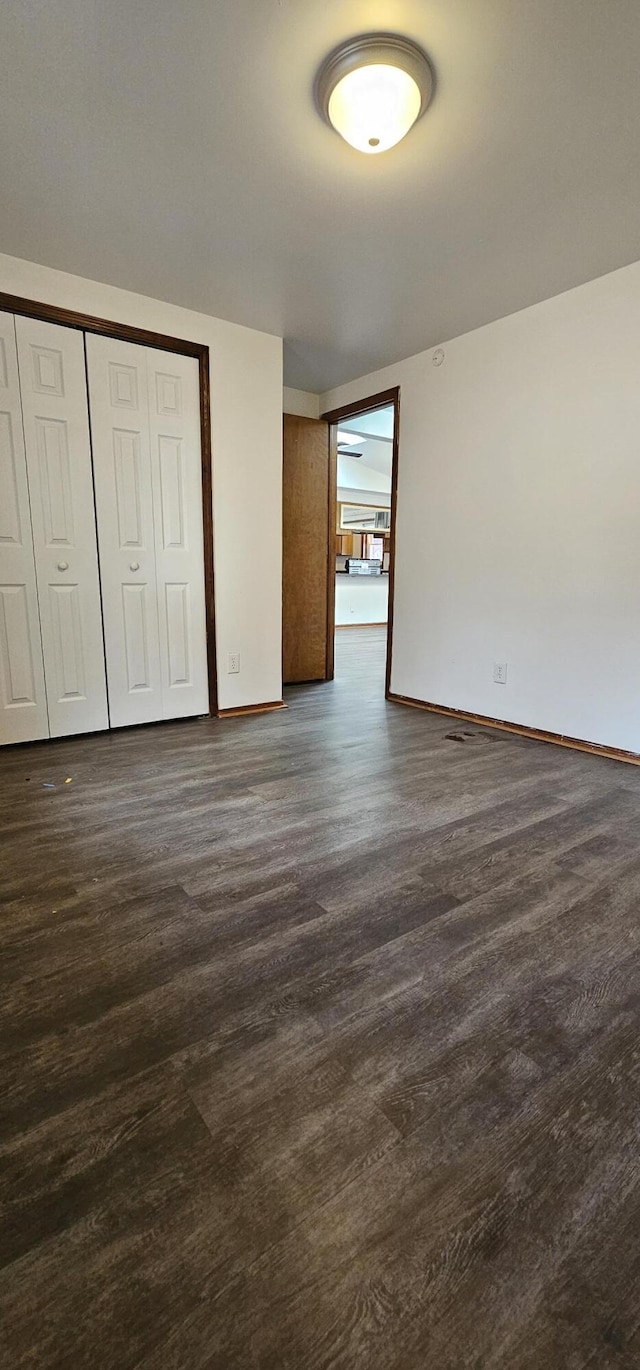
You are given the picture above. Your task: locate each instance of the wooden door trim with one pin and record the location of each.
(90, 323)
(207, 526)
(351, 411)
(241, 710)
(331, 574)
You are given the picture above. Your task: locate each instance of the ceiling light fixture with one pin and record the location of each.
(372, 89)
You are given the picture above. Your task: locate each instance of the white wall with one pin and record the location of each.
(348, 494)
(374, 455)
(361, 599)
(301, 402)
(518, 529)
(354, 475)
(246, 419)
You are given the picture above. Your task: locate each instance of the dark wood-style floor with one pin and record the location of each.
(320, 1045)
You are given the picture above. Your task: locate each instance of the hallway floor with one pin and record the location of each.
(320, 1045)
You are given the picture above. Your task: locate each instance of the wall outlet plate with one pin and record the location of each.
(234, 663)
(499, 672)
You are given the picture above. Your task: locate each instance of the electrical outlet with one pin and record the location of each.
(499, 672)
(234, 663)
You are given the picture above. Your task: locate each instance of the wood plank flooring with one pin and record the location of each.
(319, 1045)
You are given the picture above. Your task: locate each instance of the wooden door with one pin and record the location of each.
(308, 534)
(56, 428)
(23, 704)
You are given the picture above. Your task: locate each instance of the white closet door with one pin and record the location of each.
(124, 505)
(23, 706)
(56, 428)
(176, 467)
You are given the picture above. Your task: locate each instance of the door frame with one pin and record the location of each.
(90, 323)
(333, 417)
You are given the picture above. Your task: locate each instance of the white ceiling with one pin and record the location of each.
(174, 149)
(372, 469)
(377, 424)
(358, 475)
(375, 459)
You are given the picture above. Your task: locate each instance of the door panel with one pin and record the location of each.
(66, 627)
(58, 451)
(176, 463)
(10, 522)
(124, 506)
(307, 587)
(145, 419)
(135, 619)
(128, 478)
(178, 617)
(54, 482)
(23, 705)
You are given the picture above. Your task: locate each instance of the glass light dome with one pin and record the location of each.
(374, 107)
(372, 89)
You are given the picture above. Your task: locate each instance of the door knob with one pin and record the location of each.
(63, 565)
(134, 566)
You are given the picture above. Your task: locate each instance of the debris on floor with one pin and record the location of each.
(467, 736)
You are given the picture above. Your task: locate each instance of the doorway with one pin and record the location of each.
(316, 547)
(364, 439)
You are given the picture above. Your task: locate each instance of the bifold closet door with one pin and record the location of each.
(176, 472)
(117, 373)
(145, 424)
(58, 451)
(23, 706)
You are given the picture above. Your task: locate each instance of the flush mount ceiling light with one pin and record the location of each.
(373, 88)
